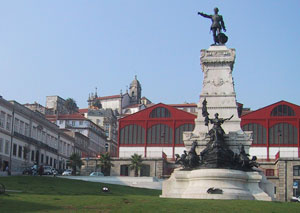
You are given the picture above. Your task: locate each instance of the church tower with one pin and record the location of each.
(135, 91)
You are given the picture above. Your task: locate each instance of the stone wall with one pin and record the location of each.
(283, 176)
(157, 166)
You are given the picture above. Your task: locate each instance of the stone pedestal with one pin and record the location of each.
(218, 175)
(218, 90)
(228, 184)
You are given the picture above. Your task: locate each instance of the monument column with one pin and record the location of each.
(218, 88)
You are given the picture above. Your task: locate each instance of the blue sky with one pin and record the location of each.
(69, 47)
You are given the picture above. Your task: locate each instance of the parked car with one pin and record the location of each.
(295, 199)
(67, 172)
(96, 174)
(48, 170)
(27, 171)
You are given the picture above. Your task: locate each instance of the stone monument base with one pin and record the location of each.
(224, 184)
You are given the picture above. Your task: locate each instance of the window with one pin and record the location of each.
(44, 137)
(27, 129)
(21, 127)
(25, 152)
(160, 134)
(296, 170)
(1, 145)
(132, 134)
(50, 161)
(160, 112)
(20, 151)
(73, 123)
(179, 132)
(283, 133)
(60, 121)
(34, 132)
(81, 122)
(2, 119)
(16, 128)
(32, 155)
(282, 110)
(269, 172)
(259, 132)
(6, 151)
(8, 122)
(42, 158)
(145, 171)
(124, 170)
(15, 149)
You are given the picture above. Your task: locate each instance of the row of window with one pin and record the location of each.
(5, 118)
(4, 146)
(296, 171)
(280, 110)
(23, 152)
(282, 133)
(156, 134)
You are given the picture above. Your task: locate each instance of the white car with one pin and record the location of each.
(47, 170)
(67, 172)
(96, 174)
(295, 199)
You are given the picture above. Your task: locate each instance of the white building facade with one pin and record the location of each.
(27, 138)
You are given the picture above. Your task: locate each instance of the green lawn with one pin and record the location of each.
(49, 194)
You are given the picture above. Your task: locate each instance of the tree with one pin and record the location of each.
(136, 163)
(105, 163)
(74, 162)
(71, 105)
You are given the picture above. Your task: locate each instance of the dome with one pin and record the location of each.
(135, 83)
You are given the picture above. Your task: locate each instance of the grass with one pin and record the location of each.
(48, 194)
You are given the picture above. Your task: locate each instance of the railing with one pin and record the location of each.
(34, 141)
(149, 154)
(280, 154)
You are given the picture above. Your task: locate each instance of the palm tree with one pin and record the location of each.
(105, 163)
(136, 163)
(74, 162)
(71, 105)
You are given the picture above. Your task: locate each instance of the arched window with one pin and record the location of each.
(160, 134)
(132, 134)
(179, 132)
(282, 110)
(160, 112)
(283, 133)
(259, 132)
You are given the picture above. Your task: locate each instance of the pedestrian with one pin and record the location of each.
(7, 170)
(41, 170)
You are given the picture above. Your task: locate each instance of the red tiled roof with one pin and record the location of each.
(76, 116)
(109, 97)
(183, 105)
(82, 111)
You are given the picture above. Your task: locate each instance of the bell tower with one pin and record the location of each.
(135, 91)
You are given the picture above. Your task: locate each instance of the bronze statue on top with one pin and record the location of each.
(216, 27)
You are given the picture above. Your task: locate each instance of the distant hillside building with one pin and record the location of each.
(121, 101)
(78, 123)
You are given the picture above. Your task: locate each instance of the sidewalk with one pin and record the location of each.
(140, 182)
